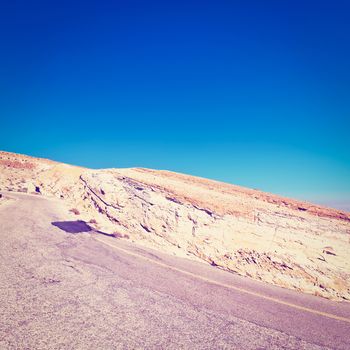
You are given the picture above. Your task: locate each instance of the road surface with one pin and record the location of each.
(64, 286)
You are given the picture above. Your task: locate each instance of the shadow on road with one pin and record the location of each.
(78, 226)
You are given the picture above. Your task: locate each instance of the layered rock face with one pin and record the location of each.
(289, 243)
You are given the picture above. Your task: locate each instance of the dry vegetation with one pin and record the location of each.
(75, 211)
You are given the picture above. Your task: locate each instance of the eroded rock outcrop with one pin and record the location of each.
(289, 243)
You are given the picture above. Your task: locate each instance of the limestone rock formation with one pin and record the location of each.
(289, 243)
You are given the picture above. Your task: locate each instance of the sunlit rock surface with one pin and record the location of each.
(289, 243)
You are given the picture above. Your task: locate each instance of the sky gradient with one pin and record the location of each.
(255, 93)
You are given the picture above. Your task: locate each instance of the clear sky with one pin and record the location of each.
(255, 93)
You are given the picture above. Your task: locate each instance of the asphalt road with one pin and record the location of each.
(64, 286)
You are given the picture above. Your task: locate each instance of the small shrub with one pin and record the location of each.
(120, 235)
(116, 235)
(75, 211)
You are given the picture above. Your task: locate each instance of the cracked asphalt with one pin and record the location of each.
(63, 290)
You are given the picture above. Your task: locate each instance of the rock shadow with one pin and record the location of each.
(77, 226)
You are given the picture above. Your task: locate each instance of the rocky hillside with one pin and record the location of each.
(289, 243)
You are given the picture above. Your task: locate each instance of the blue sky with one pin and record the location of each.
(255, 93)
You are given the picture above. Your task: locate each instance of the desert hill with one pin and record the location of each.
(289, 243)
